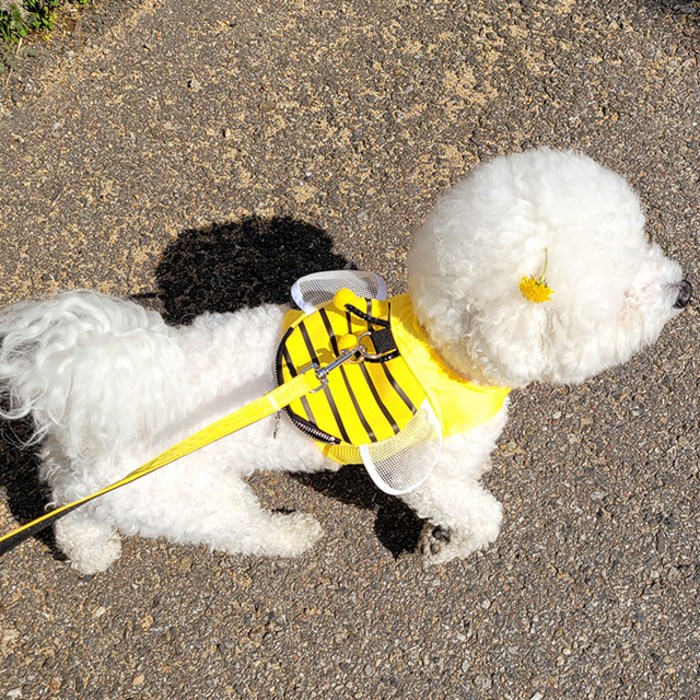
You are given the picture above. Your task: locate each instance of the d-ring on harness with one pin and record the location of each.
(359, 353)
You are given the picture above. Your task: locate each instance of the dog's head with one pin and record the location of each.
(530, 226)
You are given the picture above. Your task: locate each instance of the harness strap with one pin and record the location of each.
(252, 412)
(382, 322)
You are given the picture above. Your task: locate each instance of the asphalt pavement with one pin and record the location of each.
(200, 156)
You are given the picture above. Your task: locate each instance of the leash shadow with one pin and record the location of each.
(232, 265)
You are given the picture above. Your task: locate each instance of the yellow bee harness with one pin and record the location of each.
(398, 377)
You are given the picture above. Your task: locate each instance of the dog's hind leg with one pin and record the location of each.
(218, 511)
(242, 526)
(270, 534)
(90, 544)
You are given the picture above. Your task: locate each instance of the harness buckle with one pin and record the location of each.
(362, 349)
(355, 355)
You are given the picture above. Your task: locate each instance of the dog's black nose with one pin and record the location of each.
(685, 292)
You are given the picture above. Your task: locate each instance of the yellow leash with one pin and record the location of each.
(252, 412)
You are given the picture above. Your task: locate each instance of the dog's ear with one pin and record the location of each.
(520, 348)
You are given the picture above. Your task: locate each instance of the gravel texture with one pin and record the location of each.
(201, 156)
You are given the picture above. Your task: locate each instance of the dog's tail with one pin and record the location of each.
(81, 363)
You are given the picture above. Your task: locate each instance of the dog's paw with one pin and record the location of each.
(439, 544)
(294, 534)
(434, 544)
(90, 546)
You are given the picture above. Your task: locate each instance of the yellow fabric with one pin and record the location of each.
(460, 404)
(360, 405)
(368, 402)
(256, 410)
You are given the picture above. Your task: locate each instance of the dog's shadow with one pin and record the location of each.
(229, 266)
(27, 496)
(225, 267)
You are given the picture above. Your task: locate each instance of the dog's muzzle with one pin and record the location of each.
(685, 293)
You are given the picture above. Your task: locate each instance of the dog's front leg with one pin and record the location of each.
(462, 516)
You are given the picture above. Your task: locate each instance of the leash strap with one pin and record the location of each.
(252, 412)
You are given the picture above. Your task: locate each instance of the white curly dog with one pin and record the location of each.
(109, 385)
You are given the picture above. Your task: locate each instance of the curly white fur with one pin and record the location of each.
(613, 291)
(109, 385)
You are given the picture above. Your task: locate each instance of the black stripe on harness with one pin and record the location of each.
(329, 330)
(356, 404)
(395, 384)
(300, 422)
(382, 407)
(304, 401)
(283, 352)
(326, 391)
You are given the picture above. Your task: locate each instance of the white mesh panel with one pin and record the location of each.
(312, 291)
(401, 463)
